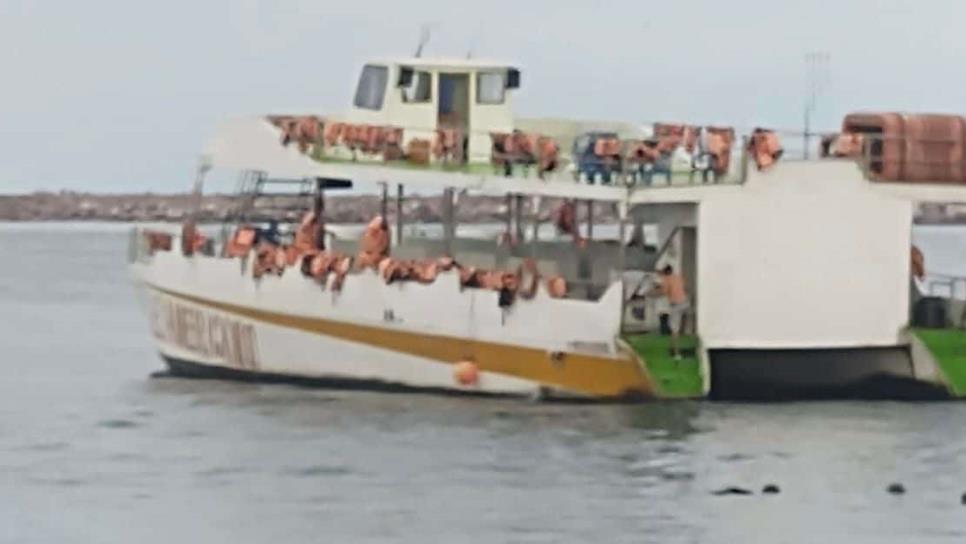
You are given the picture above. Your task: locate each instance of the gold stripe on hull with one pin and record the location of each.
(592, 375)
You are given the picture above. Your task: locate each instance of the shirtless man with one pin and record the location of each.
(672, 287)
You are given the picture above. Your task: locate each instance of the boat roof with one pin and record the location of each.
(443, 63)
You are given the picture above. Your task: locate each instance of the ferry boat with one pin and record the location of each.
(798, 272)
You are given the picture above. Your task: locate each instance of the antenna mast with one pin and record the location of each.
(425, 32)
(816, 78)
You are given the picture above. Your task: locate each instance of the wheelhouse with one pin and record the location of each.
(423, 95)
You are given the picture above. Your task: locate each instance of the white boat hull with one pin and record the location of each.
(208, 315)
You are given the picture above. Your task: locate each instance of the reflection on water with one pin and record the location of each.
(93, 450)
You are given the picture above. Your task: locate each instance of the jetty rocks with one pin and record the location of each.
(151, 207)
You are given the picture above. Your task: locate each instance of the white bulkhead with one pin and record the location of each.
(807, 255)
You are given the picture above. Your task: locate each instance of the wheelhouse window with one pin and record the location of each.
(420, 88)
(490, 88)
(372, 87)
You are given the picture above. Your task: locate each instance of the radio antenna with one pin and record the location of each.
(425, 32)
(474, 41)
(816, 80)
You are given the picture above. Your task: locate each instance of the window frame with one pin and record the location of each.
(479, 87)
(429, 88)
(358, 96)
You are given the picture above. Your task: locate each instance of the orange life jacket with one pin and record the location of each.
(557, 287)
(157, 241)
(918, 263)
(764, 147)
(241, 243)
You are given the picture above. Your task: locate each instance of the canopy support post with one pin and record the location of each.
(622, 258)
(399, 214)
(509, 215)
(318, 208)
(449, 220)
(384, 203)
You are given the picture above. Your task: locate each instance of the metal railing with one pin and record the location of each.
(945, 286)
(673, 169)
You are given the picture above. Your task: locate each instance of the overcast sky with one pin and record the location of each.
(119, 95)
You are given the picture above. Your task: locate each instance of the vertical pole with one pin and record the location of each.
(318, 208)
(384, 207)
(590, 220)
(449, 225)
(198, 188)
(535, 210)
(399, 214)
(622, 234)
(805, 135)
(518, 218)
(509, 215)
(622, 257)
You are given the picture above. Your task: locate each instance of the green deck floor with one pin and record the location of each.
(673, 379)
(948, 347)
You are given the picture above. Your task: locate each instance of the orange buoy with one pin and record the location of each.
(466, 373)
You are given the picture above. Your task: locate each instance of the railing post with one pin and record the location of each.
(399, 214)
(744, 159)
(384, 205)
(518, 218)
(449, 222)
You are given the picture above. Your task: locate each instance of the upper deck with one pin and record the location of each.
(448, 123)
